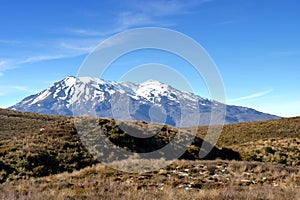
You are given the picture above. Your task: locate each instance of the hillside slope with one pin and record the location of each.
(33, 145)
(28, 137)
(41, 156)
(275, 141)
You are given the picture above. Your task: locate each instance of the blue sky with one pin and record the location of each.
(255, 44)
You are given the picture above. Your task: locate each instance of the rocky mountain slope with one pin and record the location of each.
(150, 101)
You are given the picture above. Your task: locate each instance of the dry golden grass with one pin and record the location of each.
(273, 150)
(42, 157)
(252, 131)
(180, 180)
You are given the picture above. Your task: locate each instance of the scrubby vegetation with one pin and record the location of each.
(44, 156)
(181, 180)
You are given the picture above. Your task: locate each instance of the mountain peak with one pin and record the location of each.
(87, 79)
(151, 81)
(154, 84)
(131, 101)
(70, 80)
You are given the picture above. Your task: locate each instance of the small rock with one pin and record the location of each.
(183, 174)
(246, 182)
(188, 187)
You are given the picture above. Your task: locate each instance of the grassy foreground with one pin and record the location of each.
(42, 157)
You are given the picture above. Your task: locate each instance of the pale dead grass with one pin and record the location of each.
(100, 182)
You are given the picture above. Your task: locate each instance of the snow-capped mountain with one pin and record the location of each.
(150, 101)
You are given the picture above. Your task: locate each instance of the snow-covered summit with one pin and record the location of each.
(77, 95)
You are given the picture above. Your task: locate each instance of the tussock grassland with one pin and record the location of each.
(43, 157)
(181, 180)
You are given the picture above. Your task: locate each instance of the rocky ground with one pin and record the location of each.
(187, 179)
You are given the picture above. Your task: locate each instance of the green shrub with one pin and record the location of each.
(281, 161)
(4, 151)
(39, 171)
(269, 150)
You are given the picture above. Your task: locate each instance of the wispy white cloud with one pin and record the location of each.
(84, 32)
(143, 13)
(136, 13)
(3, 65)
(90, 32)
(6, 65)
(252, 96)
(59, 49)
(80, 48)
(130, 19)
(150, 12)
(9, 89)
(66, 48)
(164, 8)
(19, 88)
(5, 88)
(9, 42)
(123, 21)
(40, 58)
